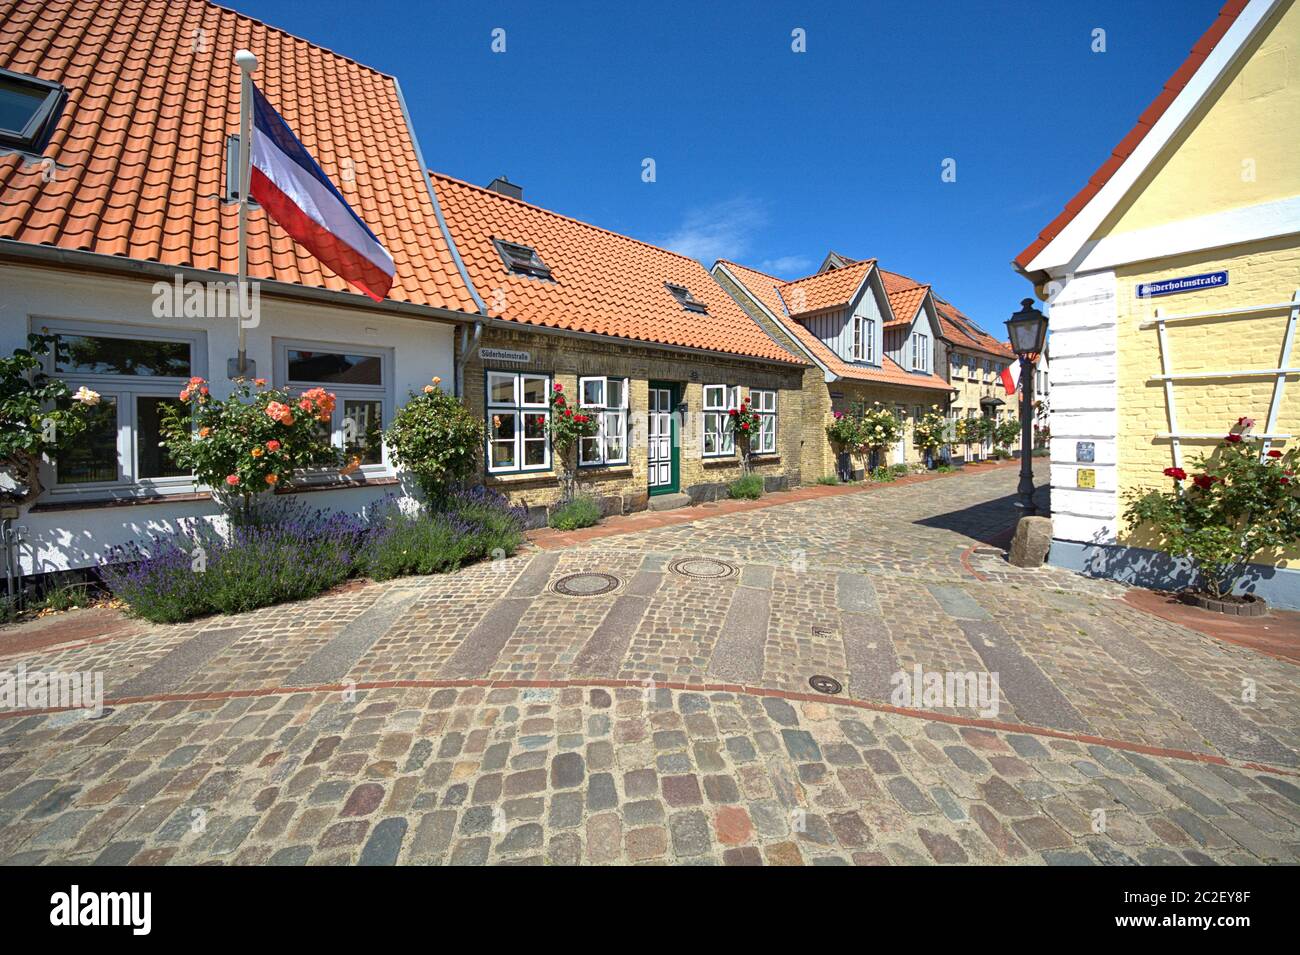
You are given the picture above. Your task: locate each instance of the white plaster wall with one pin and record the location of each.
(62, 539)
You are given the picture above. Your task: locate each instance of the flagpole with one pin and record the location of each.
(247, 63)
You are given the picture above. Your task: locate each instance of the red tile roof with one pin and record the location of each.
(904, 303)
(1202, 49)
(141, 143)
(764, 288)
(604, 283)
(833, 289)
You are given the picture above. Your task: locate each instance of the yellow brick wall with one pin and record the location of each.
(1260, 272)
(624, 487)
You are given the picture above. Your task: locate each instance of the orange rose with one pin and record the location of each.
(272, 478)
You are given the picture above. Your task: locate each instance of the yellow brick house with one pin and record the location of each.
(1173, 283)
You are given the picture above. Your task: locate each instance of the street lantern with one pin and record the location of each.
(1027, 330)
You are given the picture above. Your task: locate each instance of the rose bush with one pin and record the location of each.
(744, 423)
(252, 441)
(568, 427)
(37, 414)
(930, 431)
(1240, 504)
(437, 439)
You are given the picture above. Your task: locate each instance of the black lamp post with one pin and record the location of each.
(1027, 330)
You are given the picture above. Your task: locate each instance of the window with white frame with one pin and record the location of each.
(137, 373)
(719, 400)
(605, 400)
(763, 404)
(956, 361)
(360, 379)
(920, 352)
(864, 338)
(519, 419)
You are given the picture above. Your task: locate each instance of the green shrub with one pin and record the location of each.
(571, 515)
(829, 479)
(417, 544)
(437, 439)
(945, 469)
(497, 528)
(749, 487)
(883, 474)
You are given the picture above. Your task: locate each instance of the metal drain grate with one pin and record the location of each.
(825, 684)
(586, 584)
(702, 568)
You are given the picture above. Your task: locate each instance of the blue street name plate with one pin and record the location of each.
(1186, 283)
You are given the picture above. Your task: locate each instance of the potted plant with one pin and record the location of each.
(744, 424)
(437, 439)
(568, 427)
(929, 433)
(878, 429)
(842, 433)
(1005, 434)
(1239, 503)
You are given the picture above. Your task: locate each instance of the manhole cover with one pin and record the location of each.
(825, 684)
(702, 568)
(586, 584)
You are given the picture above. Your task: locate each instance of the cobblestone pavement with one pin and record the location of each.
(413, 721)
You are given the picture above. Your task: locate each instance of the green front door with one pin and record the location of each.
(662, 444)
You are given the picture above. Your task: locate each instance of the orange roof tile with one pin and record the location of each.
(1203, 48)
(604, 283)
(833, 289)
(956, 327)
(905, 302)
(153, 92)
(764, 288)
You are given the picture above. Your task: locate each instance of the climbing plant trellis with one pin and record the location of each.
(1278, 374)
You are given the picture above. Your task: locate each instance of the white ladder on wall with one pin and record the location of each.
(1278, 374)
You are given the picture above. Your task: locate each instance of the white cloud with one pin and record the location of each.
(787, 266)
(721, 230)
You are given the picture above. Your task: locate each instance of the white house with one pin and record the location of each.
(118, 232)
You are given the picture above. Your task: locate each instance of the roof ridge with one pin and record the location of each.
(817, 275)
(301, 39)
(750, 268)
(560, 215)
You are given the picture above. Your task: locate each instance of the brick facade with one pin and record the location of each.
(623, 488)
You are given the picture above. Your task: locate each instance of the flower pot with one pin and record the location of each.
(1247, 605)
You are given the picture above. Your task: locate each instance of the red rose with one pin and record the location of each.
(1285, 480)
(1203, 481)
(1233, 438)
(744, 426)
(559, 387)
(732, 412)
(1178, 474)
(1275, 453)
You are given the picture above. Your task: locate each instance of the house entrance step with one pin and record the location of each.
(667, 502)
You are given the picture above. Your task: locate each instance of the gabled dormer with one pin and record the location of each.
(911, 338)
(845, 308)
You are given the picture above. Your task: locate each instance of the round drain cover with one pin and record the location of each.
(702, 568)
(588, 584)
(825, 684)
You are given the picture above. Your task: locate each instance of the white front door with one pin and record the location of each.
(660, 444)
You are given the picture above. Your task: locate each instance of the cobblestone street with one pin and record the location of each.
(645, 698)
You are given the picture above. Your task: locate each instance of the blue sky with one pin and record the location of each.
(768, 156)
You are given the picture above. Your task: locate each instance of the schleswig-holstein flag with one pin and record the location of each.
(293, 190)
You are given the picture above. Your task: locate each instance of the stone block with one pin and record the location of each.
(1032, 540)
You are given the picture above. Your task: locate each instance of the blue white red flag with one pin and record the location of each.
(290, 186)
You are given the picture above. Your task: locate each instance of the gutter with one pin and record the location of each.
(54, 257)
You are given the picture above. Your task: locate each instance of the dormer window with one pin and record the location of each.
(29, 111)
(864, 339)
(685, 299)
(522, 259)
(920, 352)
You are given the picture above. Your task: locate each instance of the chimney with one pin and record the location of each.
(507, 188)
